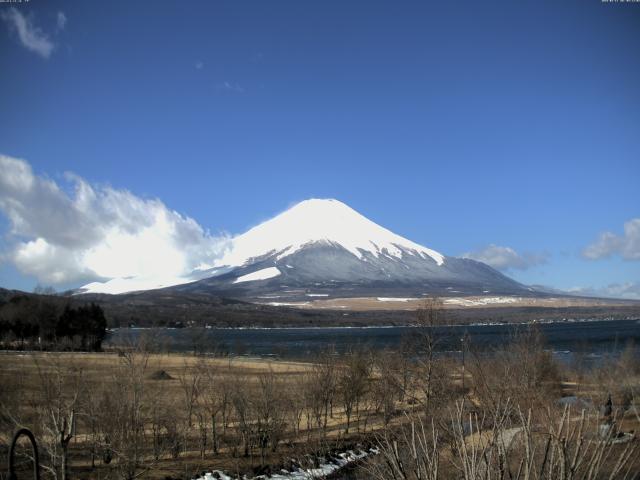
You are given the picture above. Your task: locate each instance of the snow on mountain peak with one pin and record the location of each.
(321, 220)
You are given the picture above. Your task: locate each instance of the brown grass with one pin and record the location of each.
(20, 374)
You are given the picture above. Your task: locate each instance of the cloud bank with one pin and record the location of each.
(629, 290)
(98, 232)
(626, 245)
(30, 36)
(506, 258)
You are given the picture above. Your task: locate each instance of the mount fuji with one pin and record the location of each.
(324, 248)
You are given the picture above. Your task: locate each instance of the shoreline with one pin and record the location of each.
(366, 327)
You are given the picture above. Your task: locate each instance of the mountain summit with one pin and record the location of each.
(319, 221)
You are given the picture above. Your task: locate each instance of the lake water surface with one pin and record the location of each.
(564, 338)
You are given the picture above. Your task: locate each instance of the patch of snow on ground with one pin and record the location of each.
(317, 294)
(263, 274)
(327, 467)
(287, 304)
(472, 302)
(393, 299)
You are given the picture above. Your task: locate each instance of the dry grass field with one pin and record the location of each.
(179, 396)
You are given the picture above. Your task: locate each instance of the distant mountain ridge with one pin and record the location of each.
(323, 247)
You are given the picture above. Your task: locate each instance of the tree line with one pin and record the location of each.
(48, 322)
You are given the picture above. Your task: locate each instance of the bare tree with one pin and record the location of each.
(321, 387)
(522, 371)
(566, 448)
(413, 452)
(240, 396)
(352, 381)
(386, 389)
(122, 412)
(61, 388)
(297, 402)
(190, 383)
(429, 317)
(269, 410)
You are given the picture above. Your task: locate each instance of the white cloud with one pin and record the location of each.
(199, 65)
(505, 258)
(30, 36)
(50, 263)
(626, 245)
(629, 290)
(61, 21)
(97, 232)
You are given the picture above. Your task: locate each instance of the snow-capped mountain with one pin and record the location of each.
(325, 248)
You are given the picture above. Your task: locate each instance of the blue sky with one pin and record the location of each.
(459, 125)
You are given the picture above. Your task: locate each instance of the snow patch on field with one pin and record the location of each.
(472, 302)
(263, 274)
(317, 294)
(288, 304)
(395, 299)
(326, 468)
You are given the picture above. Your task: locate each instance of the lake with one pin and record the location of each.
(594, 338)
